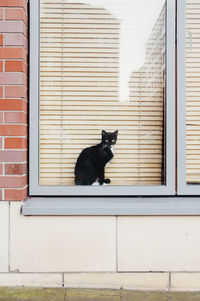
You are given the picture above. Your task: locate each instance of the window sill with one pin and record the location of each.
(111, 206)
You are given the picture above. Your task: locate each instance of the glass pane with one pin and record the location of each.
(102, 67)
(193, 91)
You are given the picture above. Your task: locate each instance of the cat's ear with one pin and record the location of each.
(116, 133)
(103, 133)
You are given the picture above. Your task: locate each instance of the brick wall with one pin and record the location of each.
(13, 99)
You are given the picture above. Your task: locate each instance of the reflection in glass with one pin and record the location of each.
(102, 67)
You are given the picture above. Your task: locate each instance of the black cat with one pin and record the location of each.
(92, 161)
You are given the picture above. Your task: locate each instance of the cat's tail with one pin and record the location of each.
(82, 181)
(78, 180)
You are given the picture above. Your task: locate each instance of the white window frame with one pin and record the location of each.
(35, 188)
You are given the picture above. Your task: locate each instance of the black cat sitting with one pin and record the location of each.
(91, 162)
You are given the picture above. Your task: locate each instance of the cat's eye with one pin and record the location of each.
(106, 140)
(113, 141)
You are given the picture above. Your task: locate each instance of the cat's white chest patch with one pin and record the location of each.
(112, 149)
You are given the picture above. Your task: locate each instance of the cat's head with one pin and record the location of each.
(109, 139)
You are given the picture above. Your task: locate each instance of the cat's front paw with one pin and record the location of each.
(107, 181)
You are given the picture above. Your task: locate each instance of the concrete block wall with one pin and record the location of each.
(151, 253)
(13, 99)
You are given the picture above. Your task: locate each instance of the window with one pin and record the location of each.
(102, 65)
(188, 98)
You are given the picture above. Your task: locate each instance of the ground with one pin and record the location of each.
(64, 294)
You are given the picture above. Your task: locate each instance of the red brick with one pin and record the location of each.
(15, 39)
(1, 91)
(15, 91)
(13, 3)
(13, 156)
(13, 53)
(1, 117)
(15, 117)
(13, 78)
(15, 143)
(15, 169)
(13, 181)
(16, 194)
(13, 105)
(1, 66)
(12, 26)
(1, 40)
(1, 14)
(13, 130)
(15, 14)
(16, 66)
(1, 169)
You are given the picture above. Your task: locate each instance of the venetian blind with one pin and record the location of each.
(79, 95)
(193, 91)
